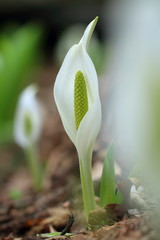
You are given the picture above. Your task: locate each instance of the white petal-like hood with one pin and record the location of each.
(28, 106)
(77, 59)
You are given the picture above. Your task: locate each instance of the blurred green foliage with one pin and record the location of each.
(108, 193)
(18, 54)
(15, 194)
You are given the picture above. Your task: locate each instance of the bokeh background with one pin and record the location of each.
(35, 35)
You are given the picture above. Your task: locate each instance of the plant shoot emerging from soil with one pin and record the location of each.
(77, 98)
(27, 129)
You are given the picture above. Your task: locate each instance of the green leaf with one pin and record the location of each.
(118, 197)
(107, 188)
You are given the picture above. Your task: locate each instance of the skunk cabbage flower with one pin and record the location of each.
(28, 119)
(77, 99)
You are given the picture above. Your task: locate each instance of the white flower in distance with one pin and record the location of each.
(77, 98)
(28, 118)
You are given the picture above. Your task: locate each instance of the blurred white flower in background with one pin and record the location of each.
(28, 118)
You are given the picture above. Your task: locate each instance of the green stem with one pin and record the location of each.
(34, 166)
(87, 187)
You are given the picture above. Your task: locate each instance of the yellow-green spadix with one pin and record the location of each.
(77, 98)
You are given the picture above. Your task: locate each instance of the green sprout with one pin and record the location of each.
(108, 195)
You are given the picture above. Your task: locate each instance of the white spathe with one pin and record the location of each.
(29, 106)
(77, 59)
